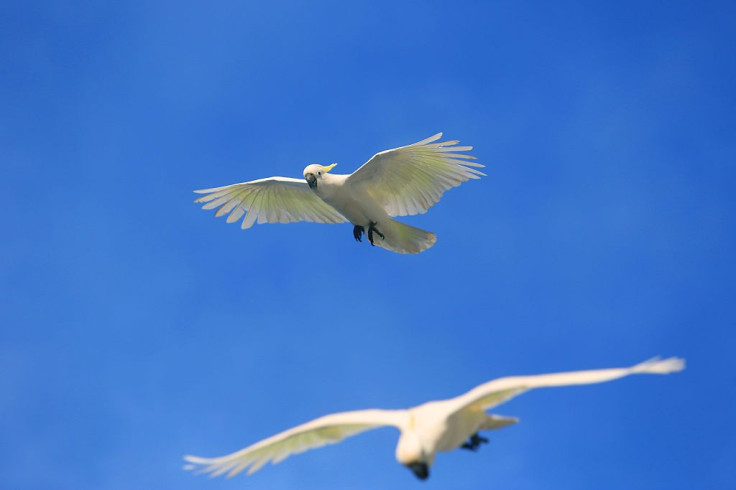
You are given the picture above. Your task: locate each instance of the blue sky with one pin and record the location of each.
(136, 327)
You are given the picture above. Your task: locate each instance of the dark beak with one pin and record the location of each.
(421, 470)
(311, 180)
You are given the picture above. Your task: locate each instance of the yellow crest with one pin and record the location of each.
(329, 167)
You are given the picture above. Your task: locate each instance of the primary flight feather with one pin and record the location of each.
(425, 430)
(404, 181)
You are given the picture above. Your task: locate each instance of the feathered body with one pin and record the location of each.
(425, 430)
(404, 181)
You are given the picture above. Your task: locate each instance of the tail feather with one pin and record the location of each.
(402, 238)
(497, 421)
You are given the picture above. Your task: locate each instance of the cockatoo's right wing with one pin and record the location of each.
(329, 429)
(272, 200)
(410, 179)
(499, 390)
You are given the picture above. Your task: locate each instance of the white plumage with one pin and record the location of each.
(404, 181)
(426, 429)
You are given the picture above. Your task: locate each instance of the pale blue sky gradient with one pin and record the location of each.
(136, 327)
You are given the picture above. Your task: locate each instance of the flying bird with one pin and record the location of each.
(425, 430)
(404, 181)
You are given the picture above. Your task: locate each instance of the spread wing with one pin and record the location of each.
(272, 200)
(495, 392)
(410, 179)
(325, 430)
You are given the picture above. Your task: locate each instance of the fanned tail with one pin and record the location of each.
(493, 422)
(402, 238)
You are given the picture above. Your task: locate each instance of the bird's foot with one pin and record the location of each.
(358, 232)
(474, 442)
(371, 230)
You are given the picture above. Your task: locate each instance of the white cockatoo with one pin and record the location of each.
(426, 429)
(399, 182)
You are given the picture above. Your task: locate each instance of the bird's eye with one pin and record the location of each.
(319, 173)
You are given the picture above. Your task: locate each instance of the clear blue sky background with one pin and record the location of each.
(137, 328)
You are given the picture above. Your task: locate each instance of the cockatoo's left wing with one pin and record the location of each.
(495, 392)
(329, 429)
(271, 200)
(410, 179)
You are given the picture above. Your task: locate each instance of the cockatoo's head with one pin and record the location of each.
(313, 173)
(411, 453)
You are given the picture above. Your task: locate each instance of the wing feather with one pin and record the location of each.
(317, 433)
(237, 213)
(500, 390)
(411, 179)
(272, 200)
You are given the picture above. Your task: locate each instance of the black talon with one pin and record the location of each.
(357, 232)
(474, 442)
(371, 229)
